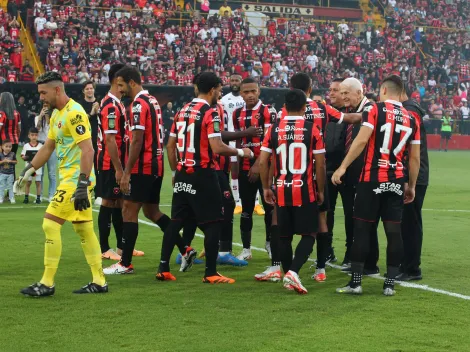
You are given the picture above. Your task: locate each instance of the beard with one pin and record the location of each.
(235, 89)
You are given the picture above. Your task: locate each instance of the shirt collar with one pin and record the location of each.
(291, 118)
(393, 102)
(199, 100)
(255, 107)
(112, 96)
(140, 93)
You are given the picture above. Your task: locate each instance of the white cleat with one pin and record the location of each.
(292, 279)
(388, 291)
(245, 254)
(118, 269)
(267, 246)
(272, 273)
(350, 290)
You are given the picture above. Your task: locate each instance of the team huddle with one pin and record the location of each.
(281, 155)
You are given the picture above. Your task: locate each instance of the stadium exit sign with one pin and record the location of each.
(285, 10)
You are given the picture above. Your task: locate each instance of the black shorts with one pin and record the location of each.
(224, 184)
(106, 186)
(144, 189)
(325, 206)
(376, 201)
(446, 134)
(197, 195)
(301, 220)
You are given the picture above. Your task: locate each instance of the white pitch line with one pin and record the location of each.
(23, 207)
(404, 284)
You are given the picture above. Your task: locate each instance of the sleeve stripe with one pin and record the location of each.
(138, 127)
(172, 134)
(415, 142)
(341, 118)
(268, 150)
(111, 132)
(368, 124)
(319, 151)
(213, 135)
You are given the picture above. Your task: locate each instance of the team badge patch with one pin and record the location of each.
(80, 129)
(227, 194)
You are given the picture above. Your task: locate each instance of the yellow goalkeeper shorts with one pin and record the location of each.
(61, 205)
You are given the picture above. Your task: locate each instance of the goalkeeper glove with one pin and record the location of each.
(80, 197)
(27, 172)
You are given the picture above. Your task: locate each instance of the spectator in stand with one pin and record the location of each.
(225, 10)
(27, 72)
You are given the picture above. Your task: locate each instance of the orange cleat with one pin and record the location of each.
(217, 279)
(110, 254)
(165, 276)
(237, 210)
(137, 253)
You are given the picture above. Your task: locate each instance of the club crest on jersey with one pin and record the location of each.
(116, 190)
(112, 120)
(227, 194)
(59, 125)
(368, 108)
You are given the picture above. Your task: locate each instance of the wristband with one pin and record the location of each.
(241, 154)
(173, 173)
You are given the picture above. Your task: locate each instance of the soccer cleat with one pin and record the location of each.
(319, 275)
(37, 201)
(350, 290)
(137, 253)
(389, 291)
(272, 273)
(118, 269)
(38, 290)
(187, 259)
(230, 259)
(267, 246)
(217, 279)
(179, 260)
(245, 254)
(92, 288)
(110, 254)
(259, 210)
(292, 279)
(288, 286)
(26, 201)
(165, 276)
(331, 257)
(406, 277)
(237, 210)
(12, 201)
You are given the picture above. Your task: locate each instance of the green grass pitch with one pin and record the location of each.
(141, 314)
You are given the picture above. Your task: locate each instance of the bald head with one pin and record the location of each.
(351, 92)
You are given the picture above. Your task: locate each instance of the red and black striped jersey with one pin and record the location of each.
(147, 117)
(319, 114)
(221, 162)
(260, 116)
(10, 128)
(112, 120)
(293, 141)
(192, 126)
(393, 130)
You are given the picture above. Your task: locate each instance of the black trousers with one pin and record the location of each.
(412, 232)
(348, 193)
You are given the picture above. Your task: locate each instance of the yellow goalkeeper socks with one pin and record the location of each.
(52, 252)
(91, 248)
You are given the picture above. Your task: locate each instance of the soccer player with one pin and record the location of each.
(320, 115)
(70, 136)
(231, 102)
(296, 145)
(112, 145)
(196, 194)
(387, 130)
(253, 113)
(141, 180)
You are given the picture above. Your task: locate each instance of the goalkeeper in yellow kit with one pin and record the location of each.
(70, 137)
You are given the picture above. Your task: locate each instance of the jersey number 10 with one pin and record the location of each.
(282, 151)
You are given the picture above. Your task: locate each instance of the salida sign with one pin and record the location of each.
(286, 10)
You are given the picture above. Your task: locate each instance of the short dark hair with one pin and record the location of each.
(338, 80)
(128, 74)
(207, 81)
(395, 83)
(33, 130)
(5, 141)
(87, 83)
(49, 76)
(249, 80)
(301, 81)
(295, 100)
(113, 70)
